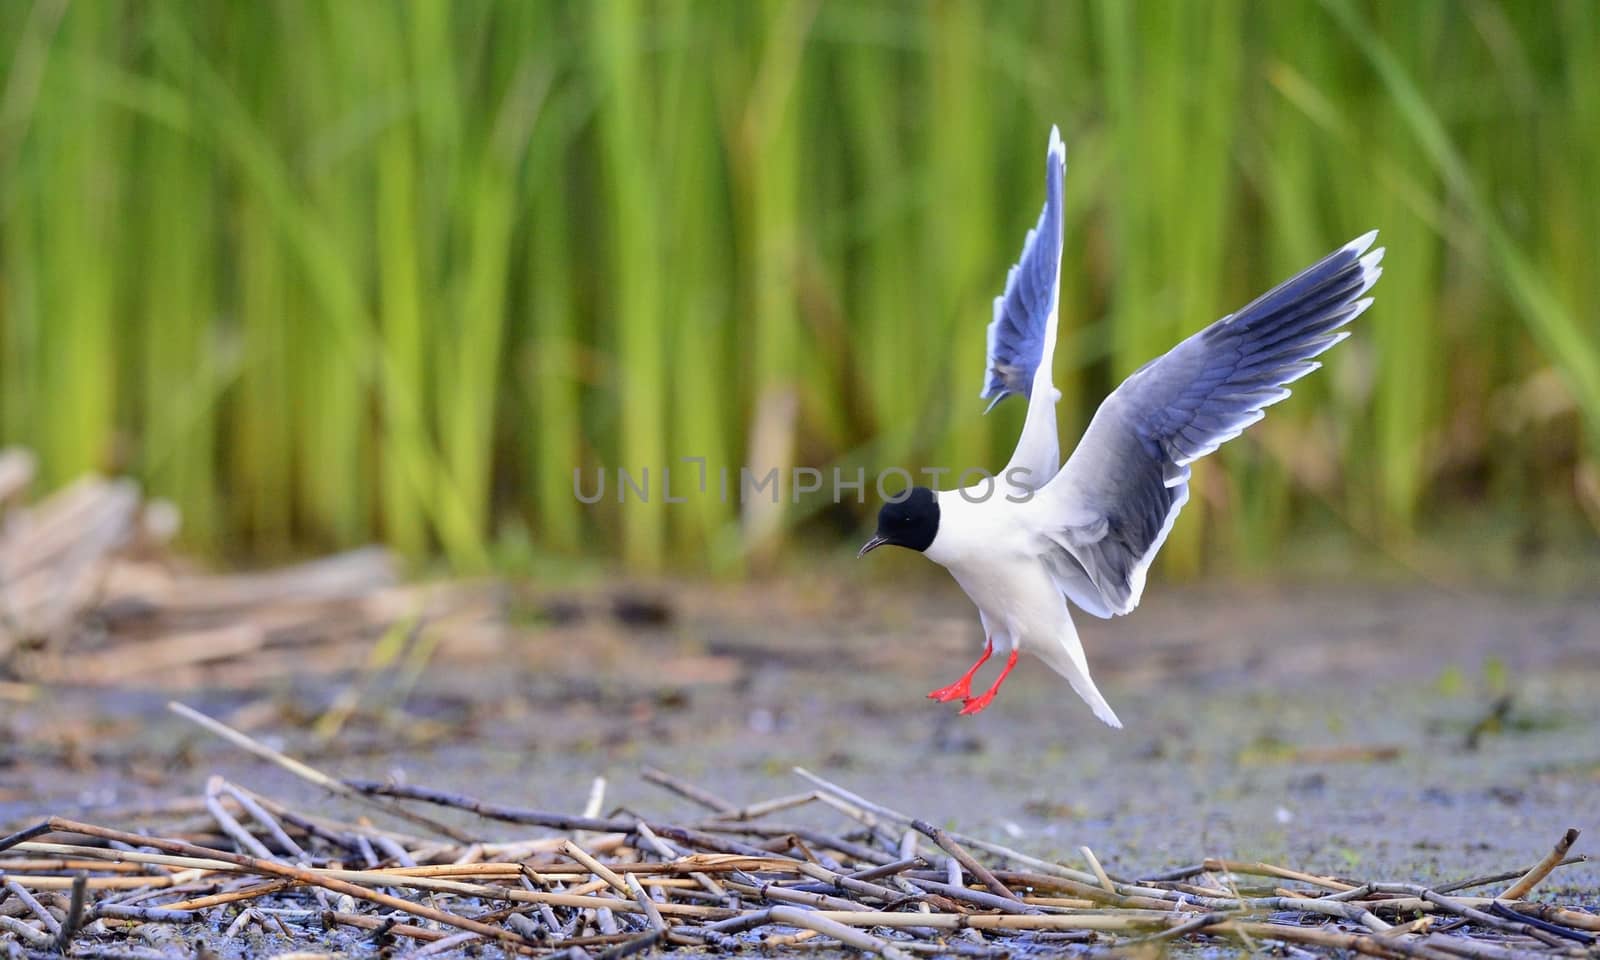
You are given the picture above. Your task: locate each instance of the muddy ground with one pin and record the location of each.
(1410, 733)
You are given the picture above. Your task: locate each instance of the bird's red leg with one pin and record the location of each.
(976, 704)
(963, 687)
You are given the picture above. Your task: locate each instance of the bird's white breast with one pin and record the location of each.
(991, 551)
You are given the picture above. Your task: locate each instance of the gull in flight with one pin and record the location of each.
(1046, 534)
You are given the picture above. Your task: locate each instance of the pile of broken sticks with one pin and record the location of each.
(234, 863)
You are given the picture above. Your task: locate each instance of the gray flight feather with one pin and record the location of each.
(1021, 315)
(1117, 496)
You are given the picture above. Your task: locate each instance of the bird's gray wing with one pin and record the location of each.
(1022, 336)
(1112, 505)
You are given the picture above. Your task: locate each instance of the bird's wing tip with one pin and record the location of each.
(1361, 243)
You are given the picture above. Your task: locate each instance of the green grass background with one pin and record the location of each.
(323, 272)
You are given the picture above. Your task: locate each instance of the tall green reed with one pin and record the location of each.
(323, 272)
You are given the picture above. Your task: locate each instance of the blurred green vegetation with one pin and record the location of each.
(329, 271)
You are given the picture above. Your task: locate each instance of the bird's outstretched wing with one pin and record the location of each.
(1022, 336)
(1112, 505)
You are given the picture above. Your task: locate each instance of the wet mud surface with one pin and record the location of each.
(1424, 734)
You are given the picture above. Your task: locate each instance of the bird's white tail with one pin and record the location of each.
(1066, 658)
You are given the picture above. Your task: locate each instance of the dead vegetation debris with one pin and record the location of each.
(426, 872)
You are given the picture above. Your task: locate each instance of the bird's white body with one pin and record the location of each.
(1041, 534)
(991, 544)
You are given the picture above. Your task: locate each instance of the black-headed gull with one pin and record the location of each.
(1043, 534)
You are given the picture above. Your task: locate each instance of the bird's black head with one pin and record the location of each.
(909, 522)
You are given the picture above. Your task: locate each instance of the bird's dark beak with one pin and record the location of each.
(877, 541)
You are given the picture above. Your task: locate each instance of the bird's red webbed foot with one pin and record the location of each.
(963, 687)
(977, 704)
